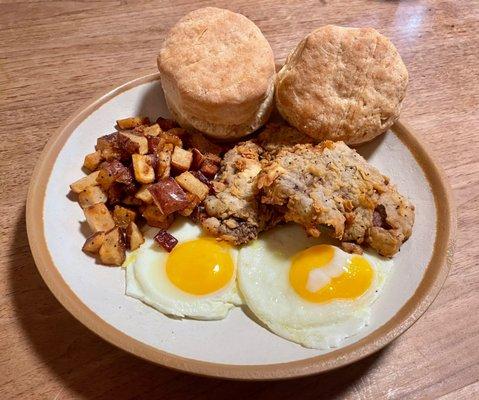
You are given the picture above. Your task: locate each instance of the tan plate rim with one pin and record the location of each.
(433, 279)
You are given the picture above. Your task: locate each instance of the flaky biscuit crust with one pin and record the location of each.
(342, 84)
(217, 69)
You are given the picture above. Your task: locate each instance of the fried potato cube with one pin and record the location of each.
(166, 124)
(193, 185)
(130, 200)
(134, 237)
(135, 143)
(144, 195)
(123, 216)
(209, 169)
(112, 250)
(154, 217)
(168, 196)
(133, 122)
(92, 160)
(81, 184)
(198, 141)
(198, 159)
(143, 169)
(109, 147)
(163, 166)
(193, 202)
(166, 240)
(91, 195)
(99, 218)
(93, 243)
(181, 159)
(153, 130)
(111, 172)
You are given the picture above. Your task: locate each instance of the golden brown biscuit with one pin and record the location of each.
(342, 84)
(217, 72)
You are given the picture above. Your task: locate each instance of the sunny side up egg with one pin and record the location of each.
(196, 280)
(307, 291)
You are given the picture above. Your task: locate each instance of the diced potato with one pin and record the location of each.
(123, 216)
(112, 251)
(91, 195)
(133, 122)
(140, 143)
(181, 159)
(143, 169)
(180, 132)
(193, 185)
(168, 196)
(92, 160)
(197, 140)
(163, 168)
(93, 243)
(209, 169)
(166, 124)
(193, 202)
(154, 217)
(130, 200)
(144, 195)
(153, 130)
(99, 218)
(134, 237)
(81, 184)
(198, 159)
(111, 172)
(109, 147)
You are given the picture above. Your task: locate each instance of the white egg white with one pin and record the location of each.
(146, 280)
(263, 275)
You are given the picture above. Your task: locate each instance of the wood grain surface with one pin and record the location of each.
(54, 55)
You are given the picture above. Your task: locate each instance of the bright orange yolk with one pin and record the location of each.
(350, 284)
(200, 266)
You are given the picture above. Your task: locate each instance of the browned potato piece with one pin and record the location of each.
(139, 142)
(133, 122)
(193, 185)
(81, 184)
(144, 195)
(193, 203)
(181, 159)
(92, 160)
(112, 251)
(123, 216)
(163, 168)
(99, 218)
(144, 171)
(111, 172)
(166, 124)
(154, 217)
(134, 237)
(91, 195)
(93, 243)
(131, 201)
(153, 130)
(204, 145)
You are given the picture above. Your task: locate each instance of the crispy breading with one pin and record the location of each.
(330, 185)
(276, 136)
(234, 212)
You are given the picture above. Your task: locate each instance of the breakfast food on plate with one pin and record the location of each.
(342, 84)
(197, 279)
(331, 186)
(142, 173)
(201, 199)
(234, 213)
(306, 291)
(217, 72)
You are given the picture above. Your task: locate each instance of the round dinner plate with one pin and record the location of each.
(236, 347)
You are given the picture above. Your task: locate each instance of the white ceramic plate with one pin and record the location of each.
(235, 347)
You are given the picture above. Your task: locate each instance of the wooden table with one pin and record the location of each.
(55, 55)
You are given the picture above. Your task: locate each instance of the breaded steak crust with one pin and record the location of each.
(234, 213)
(330, 185)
